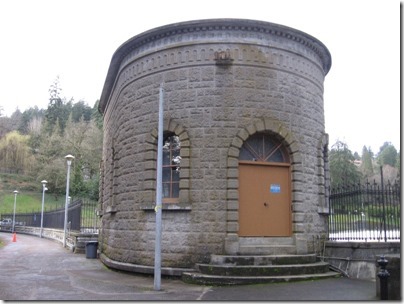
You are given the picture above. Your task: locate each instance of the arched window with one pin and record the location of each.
(171, 168)
(263, 147)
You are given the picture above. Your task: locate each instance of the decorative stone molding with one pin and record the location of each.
(323, 174)
(170, 125)
(208, 31)
(223, 57)
(278, 129)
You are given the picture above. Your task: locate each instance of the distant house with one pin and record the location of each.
(245, 167)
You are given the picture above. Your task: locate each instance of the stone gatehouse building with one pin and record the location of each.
(245, 164)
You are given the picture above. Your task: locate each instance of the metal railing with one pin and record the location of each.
(81, 217)
(365, 212)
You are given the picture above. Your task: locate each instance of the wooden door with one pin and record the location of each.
(264, 199)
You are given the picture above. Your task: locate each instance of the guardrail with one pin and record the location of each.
(75, 241)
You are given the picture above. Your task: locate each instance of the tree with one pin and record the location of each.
(96, 115)
(6, 125)
(58, 109)
(398, 160)
(342, 167)
(367, 162)
(63, 128)
(387, 155)
(84, 141)
(81, 111)
(16, 119)
(54, 172)
(30, 119)
(15, 154)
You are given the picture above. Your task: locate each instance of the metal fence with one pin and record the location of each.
(81, 217)
(365, 212)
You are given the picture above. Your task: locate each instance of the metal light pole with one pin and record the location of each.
(157, 209)
(15, 202)
(44, 182)
(69, 159)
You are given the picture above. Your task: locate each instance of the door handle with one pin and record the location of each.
(265, 204)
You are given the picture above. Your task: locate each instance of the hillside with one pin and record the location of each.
(29, 197)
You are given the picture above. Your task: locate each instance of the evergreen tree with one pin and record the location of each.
(58, 109)
(367, 162)
(342, 167)
(387, 155)
(81, 111)
(96, 115)
(30, 117)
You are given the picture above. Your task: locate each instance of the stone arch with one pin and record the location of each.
(285, 135)
(151, 159)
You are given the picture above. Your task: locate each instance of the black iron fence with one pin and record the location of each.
(81, 216)
(365, 212)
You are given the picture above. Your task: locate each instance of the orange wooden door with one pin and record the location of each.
(264, 200)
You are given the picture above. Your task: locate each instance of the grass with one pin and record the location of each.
(28, 202)
(29, 197)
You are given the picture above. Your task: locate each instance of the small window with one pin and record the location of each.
(171, 168)
(263, 147)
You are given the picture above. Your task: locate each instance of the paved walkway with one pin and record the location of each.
(39, 269)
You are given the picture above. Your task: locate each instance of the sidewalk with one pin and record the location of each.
(40, 269)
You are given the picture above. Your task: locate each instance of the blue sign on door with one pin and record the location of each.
(275, 188)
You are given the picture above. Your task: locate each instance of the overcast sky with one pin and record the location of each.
(75, 40)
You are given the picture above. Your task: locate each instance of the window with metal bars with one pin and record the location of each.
(262, 147)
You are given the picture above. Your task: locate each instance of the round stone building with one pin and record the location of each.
(245, 149)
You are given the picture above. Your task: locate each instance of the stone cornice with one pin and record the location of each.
(207, 25)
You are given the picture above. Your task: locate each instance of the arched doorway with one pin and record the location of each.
(264, 188)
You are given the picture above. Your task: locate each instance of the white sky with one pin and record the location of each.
(75, 40)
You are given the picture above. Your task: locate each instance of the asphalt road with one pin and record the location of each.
(39, 269)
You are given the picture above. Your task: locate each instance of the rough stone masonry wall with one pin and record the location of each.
(273, 83)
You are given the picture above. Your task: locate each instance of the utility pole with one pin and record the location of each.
(159, 190)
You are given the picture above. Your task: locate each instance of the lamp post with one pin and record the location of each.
(44, 182)
(69, 159)
(15, 203)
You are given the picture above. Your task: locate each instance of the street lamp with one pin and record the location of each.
(44, 182)
(15, 202)
(69, 159)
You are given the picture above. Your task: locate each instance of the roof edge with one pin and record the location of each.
(202, 25)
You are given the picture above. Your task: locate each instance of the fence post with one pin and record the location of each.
(383, 205)
(383, 275)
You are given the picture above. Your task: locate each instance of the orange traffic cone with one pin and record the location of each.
(14, 237)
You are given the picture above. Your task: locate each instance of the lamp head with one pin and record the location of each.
(69, 158)
(15, 191)
(44, 182)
